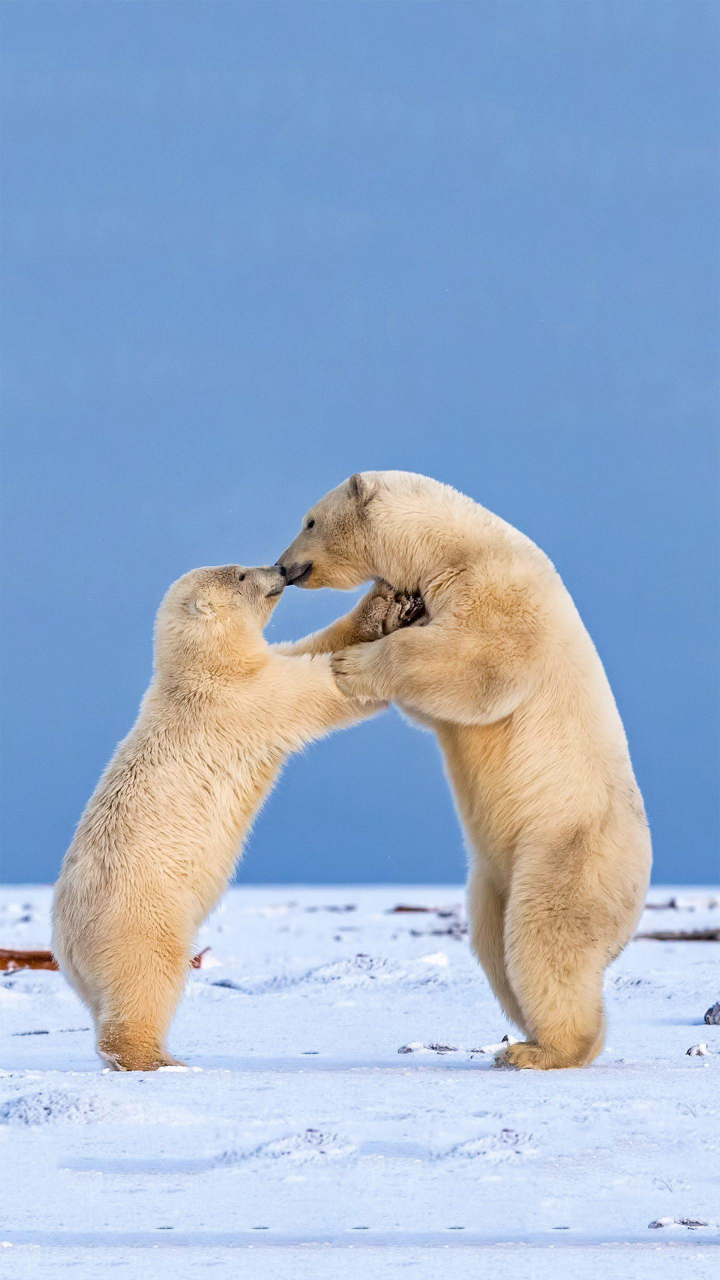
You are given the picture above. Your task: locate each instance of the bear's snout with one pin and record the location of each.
(298, 573)
(279, 587)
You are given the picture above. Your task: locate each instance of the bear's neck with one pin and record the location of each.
(421, 539)
(195, 667)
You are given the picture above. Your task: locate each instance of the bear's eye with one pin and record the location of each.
(241, 577)
(310, 524)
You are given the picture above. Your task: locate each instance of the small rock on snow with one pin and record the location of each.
(418, 1047)
(678, 1222)
(712, 1015)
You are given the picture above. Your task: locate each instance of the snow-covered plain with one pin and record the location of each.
(302, 1145)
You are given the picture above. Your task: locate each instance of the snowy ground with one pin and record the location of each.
(303, 1146)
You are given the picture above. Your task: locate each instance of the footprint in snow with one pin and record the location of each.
(48, 1106)
(300, 1148)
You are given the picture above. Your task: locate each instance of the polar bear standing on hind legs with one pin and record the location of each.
(159, 838)
(509, 679)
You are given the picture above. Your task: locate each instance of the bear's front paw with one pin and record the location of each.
(351, 674)
(382, 611)
(404, 609)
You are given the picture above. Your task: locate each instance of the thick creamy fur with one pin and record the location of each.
(160, 837)
(507, 676)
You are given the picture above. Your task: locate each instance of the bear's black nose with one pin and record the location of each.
(297, 574)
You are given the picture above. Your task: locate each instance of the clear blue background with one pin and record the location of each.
(251, 248)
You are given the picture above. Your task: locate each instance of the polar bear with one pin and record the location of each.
(507, 676)
(159, 839)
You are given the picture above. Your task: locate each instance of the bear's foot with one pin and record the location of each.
(138, 1060)
(124, 1050)
(527, 1056)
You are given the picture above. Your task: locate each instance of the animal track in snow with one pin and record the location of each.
(357, 971)
(300, 1148)
(48, 1106)
(505, 1145)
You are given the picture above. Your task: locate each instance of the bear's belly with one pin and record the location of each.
(481, 770)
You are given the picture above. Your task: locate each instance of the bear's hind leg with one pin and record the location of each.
(141, 998)
(486, 911)
(556, 966)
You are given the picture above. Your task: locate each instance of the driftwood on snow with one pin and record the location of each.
(11, 959)
(682, 935)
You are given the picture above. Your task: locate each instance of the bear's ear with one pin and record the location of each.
(199, 606)
(360, 490)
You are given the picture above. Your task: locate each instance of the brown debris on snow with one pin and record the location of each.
(402, 909)
(681, 935)
(10, 959)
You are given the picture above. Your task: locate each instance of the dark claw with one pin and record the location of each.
(413, 609)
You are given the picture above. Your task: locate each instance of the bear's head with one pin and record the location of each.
(214, 617)
(395, 525)
(333, 548)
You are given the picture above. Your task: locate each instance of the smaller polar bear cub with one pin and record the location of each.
(159, 839)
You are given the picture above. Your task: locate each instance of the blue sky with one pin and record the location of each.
(251, 248)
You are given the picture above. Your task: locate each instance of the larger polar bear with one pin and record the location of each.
(507, 676)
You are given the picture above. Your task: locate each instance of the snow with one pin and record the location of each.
(341, 1116)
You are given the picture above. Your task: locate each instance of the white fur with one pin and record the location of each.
(160, 837)
(507, 676)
